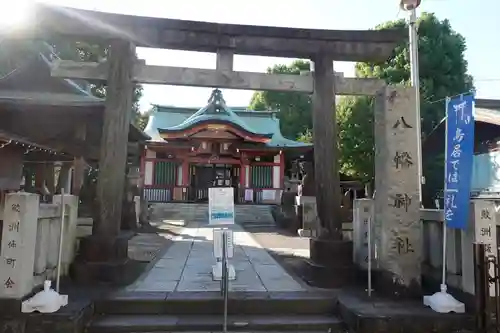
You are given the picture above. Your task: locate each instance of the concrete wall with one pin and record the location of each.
(483, 227)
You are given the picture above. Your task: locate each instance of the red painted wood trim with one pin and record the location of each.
(243, 172)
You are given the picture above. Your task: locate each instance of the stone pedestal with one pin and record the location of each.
(102, 259)
(308, 216)
(397, 227)
(286, 216)
(331, 264)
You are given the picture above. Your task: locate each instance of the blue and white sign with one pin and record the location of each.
(459, 160)
(221, 205)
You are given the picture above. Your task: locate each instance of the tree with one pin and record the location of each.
(443, 72)
(355, 128)
(141, 119)
(306, 136)
(294, 108)
(443, 68)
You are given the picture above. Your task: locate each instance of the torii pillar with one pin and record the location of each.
(105, 253)
(331, 256)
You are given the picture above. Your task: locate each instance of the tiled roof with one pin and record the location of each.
(257, 122)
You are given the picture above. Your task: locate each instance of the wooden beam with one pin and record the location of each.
(78, 178)
(341, 45)
(212, 78)
(325, 148)
(113, 149)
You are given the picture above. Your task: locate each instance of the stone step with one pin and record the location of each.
(211, 303)
(199, 213)
(257, 225)
(197, 323)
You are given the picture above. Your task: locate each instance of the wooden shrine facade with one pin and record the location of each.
(192, 150)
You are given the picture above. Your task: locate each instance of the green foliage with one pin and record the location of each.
(294, 108)
(443, 68)
(443, 72)
(306, 136)
(356, 145)
(141, 119)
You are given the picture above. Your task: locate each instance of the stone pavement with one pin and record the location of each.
(187, 265)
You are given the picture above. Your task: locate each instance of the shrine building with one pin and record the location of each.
(192, 150)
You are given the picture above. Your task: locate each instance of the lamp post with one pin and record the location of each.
(440, 301)
(411, 7)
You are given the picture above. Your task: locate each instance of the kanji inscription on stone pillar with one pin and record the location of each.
(17, 253)
(398, 229)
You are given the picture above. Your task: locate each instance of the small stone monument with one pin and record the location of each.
(306, 202)
(308, 185)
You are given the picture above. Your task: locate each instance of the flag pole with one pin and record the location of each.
(441, 301)
(443, 286)
(411, 7)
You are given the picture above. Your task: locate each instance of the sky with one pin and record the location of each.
(476, 20)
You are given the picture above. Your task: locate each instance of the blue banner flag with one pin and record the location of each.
(459, 158)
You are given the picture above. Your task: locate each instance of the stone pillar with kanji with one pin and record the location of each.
(397, 227)
(481, 228)
(19, 232)
(362, 221)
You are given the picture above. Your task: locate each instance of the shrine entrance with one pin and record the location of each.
(122, 71)
(204, 176)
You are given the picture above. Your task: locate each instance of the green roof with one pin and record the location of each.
(257, 122)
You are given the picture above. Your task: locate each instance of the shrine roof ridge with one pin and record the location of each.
(213, 121)
(261, 123)
(189, 109)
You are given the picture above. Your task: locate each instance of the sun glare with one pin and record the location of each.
(16, 14)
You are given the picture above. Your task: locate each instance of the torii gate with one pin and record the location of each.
(122, 70)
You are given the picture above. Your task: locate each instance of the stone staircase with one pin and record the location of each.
(182, 213)
(254, 216)
(203, 312)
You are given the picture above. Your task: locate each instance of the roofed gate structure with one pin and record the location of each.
(397, 222)
(192, 150)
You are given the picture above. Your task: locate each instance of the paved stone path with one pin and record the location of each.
(187, 265)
